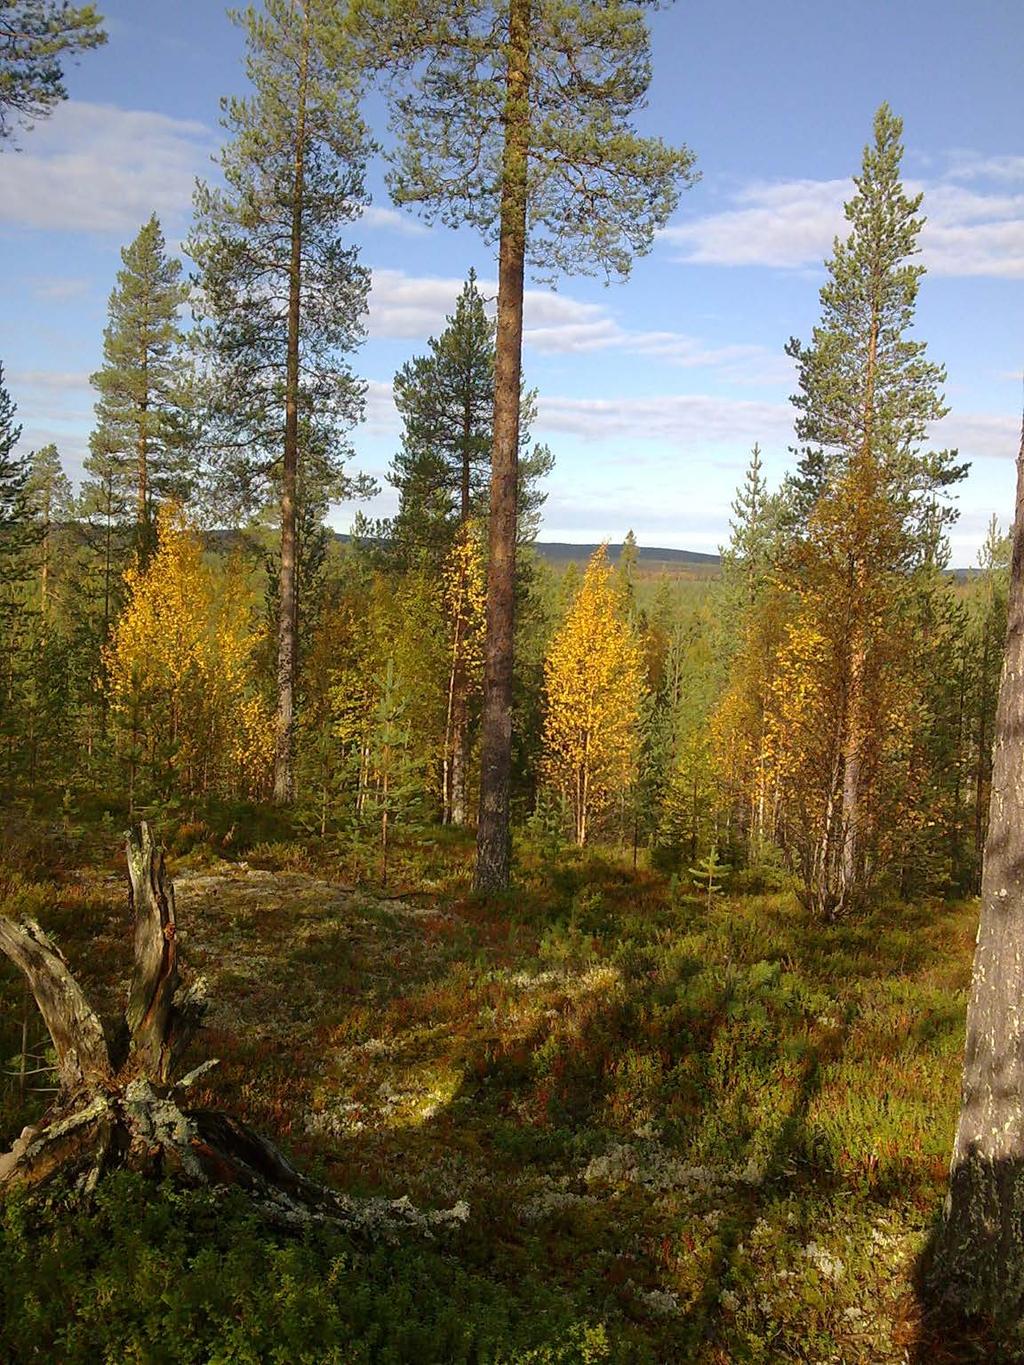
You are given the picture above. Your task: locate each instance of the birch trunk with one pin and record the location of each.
(979, 1261)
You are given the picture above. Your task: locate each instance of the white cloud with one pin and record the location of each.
(55, 289)
(702, 422)
(49, 381)
(793, 223)
(974, 166)
(71, 443)
(50, 396)
(415, 306)
(694, 422)
(96, 168)
(381, 414)
(410, 307)
(978, 435)
(788, 224)
(379, 217)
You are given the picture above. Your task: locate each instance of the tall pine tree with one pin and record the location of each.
(515, 117)
(283, 297)
(442, 472)
(869, 492)
(139, 419)
(445, 399)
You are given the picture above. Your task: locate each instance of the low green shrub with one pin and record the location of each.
(168, 1277)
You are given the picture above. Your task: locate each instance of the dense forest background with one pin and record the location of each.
(674, 711)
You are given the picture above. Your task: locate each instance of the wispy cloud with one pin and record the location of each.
(787, 224)
(381, 413)
(967, 165)
(409, 306)
(713, 424)
(96, 168)
(692, 422)
(56, 289)
(978, 435)
(63, 382)
(377, 216)
(413, 307)
(792, 224)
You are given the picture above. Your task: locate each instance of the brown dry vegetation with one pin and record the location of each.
(712, 1136)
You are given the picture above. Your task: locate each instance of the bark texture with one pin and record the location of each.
(77, 1034)
(287, 608)
(494, 845)
(979, 1256)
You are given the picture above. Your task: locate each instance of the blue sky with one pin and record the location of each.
(651, 392)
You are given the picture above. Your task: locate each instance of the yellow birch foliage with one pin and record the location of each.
(593, 679)
(179, 668)
(744, 742)
(465, 603)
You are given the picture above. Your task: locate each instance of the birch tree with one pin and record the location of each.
(980, 1252)
(594, 686)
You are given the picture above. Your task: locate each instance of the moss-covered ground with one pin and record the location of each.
(685, 1134)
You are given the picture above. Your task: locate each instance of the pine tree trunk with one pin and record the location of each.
(846, 884)
(287, 619)
(979, 1261)
(494, 845)
(955, 823)
(982, 773)
(142, 463)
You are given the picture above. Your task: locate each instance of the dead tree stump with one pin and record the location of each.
(121, 1103)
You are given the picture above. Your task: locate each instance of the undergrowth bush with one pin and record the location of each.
(169, 1277)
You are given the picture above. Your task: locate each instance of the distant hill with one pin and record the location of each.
(564, 552)
(653, 560)
(560, 553)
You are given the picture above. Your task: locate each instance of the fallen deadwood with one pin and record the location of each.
(119, 1105)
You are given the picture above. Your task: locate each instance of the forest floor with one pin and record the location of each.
(684, 1134)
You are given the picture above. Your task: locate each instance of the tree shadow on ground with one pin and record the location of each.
(790, 1139)
(536, 1070)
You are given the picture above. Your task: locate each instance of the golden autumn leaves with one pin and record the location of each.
(182, 676)
(189, 699)
(180, 670)
(594, 683)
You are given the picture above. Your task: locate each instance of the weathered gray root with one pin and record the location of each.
(145, 1129)
(131, 1115)
(78, 1039)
